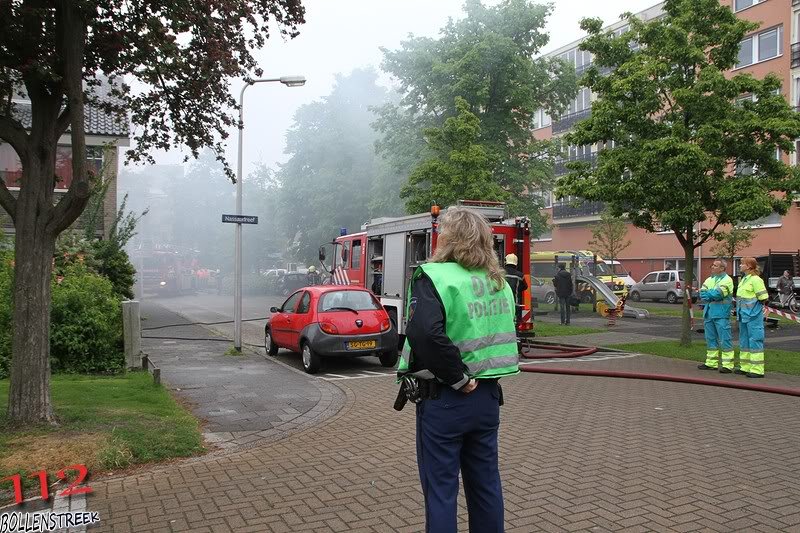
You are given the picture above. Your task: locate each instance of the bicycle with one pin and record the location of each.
(793, 304)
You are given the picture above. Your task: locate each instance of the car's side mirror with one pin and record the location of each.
(322, 253)
(273, 310)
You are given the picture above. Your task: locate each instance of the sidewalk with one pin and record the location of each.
(242, 399)
(576, 454)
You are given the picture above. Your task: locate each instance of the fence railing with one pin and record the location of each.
(148, 365)
(563, 210)
(566, 122)
(560, 167)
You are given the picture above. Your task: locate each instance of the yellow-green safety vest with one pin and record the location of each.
(749, 293)
(719, 308)
(479, 320)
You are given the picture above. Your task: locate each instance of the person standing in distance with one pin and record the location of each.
(515, 280)
(460, 339)
(785, 287)
(751, 297)
(564, 290)
(717, 294)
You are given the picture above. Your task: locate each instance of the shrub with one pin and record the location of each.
(86, 324)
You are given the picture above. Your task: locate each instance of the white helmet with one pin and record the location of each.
(312, 268)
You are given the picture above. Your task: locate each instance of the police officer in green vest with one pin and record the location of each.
(751, 297)
(717, 294)
(460, 339)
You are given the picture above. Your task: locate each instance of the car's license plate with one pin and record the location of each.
(361, 345)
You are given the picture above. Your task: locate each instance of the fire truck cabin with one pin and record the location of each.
(385, 254)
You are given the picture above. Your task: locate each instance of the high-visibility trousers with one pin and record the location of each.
(718, 339)
(751, 346)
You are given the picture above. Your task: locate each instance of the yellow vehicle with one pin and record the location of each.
(544, 265)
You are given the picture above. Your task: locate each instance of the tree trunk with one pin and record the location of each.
(29, 393)
(686, 322)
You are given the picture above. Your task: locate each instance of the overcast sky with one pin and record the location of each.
(341, 35)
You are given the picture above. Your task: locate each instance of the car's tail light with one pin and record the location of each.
(329, 328)
(677, 284)
(386, 324)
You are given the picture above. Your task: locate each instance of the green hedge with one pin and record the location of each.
(85, 325)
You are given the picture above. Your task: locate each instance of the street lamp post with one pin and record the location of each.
(289, 81)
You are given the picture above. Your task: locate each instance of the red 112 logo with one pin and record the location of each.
(73, 488)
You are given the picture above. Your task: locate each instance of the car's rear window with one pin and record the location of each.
(356, 300)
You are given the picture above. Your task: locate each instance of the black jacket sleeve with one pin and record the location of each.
(431, 348)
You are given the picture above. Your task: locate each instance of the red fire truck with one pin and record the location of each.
(383, 256)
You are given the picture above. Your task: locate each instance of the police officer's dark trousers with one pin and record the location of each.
(455, 432)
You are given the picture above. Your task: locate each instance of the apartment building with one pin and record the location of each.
(774, 47)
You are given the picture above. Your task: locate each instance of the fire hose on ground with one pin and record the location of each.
(566, 351)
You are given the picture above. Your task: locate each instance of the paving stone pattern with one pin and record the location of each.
(577, 454)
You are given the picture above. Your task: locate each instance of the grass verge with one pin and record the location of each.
(776, 360)
(106, 423)
(547, 329)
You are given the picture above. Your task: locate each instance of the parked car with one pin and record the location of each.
(290, 282)
(662, 285)
(271, 278)
(543, 291)
(332, 321)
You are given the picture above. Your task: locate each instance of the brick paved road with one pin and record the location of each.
(577, 454)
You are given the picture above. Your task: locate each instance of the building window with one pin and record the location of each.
(11, 167)
(541, 119)
(545, 196)
(760, 47)
(738, 5)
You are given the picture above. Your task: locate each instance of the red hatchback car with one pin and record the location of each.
(332, 321)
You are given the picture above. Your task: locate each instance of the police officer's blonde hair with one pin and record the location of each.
(466, 238)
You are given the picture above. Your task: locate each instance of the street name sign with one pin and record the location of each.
(240, 219)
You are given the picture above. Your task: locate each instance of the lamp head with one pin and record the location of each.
(293, 81)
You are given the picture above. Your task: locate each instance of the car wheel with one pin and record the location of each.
(794, 305)
(310, 359)
(672, 298)
(270, 347)
(285, 291)
(636, 297)
(550, 298)
(388, 359)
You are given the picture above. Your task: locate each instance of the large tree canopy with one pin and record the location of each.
(488, 59)
(683, 128)
(181, 54)
(333, 178)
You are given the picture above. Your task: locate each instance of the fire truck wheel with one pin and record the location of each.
(388, 359)
(310, 359)
(269, 346)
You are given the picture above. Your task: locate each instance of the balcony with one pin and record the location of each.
(562, 210)
(567, 122)
(795, 55)
(561, 169)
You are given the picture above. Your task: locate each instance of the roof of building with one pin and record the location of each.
(97, 121)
